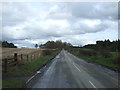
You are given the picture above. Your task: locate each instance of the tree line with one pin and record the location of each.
(105, 45)
(55, 44)
(100, 45)
(6, 44)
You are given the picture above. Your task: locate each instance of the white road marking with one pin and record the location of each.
(92, 84)
(76, 67)
(31, 78)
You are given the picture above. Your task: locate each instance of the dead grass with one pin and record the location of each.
(9, 52)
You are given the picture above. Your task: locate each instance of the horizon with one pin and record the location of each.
(62, 42)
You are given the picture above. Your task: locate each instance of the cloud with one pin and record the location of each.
(93, 10)
(79, 23)
(15, 13)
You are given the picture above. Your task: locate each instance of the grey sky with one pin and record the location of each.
(26, 24)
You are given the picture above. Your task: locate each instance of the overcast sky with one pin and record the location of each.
(26, 24)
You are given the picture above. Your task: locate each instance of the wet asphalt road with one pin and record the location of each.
(68, 71)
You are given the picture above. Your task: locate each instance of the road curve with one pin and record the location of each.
(68, 71)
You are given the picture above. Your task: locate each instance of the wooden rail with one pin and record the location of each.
(19, 59)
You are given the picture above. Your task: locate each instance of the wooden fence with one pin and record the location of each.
(19, 59)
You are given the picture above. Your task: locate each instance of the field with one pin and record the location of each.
(9, 52)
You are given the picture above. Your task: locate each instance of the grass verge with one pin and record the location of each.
(98, 59)
(13, 83)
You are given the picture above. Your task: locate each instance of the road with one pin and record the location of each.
(68, 71)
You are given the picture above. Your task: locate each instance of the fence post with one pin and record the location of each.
(21, 57)
(39, 55)
(31, 57)
(27, 57)
(15, 56)
(5, 65)
(34, 56)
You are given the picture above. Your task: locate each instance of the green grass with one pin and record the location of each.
(115, 54)
(13, 83)
(86, 49)
(107, 62)
(28, 69)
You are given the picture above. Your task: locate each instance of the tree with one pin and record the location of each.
(7, 44)
(40, 45)
(36, 45)
(57, 44)
(105, 45)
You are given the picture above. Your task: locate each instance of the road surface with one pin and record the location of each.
(68, 71)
